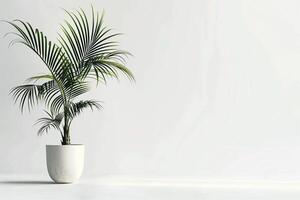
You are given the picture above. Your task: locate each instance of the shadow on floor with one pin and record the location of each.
(26, 182)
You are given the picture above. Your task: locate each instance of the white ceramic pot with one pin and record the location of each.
(65, 162)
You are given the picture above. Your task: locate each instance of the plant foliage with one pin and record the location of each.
(86, 51)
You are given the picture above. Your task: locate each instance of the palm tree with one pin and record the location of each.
(86, 52)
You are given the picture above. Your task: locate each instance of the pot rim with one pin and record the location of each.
(60, 145)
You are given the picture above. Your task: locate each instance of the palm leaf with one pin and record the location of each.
(49, 52)
(52, 55)
(85, 41)
(26, 94)
(77, 89)
(75, 109)
(106, 67)
(52, 121)
(40, 77)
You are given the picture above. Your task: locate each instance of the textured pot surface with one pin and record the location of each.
(65, 162)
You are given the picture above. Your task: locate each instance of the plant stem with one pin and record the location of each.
(66, 138)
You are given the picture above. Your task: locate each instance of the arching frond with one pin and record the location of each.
(77, 89)
(53, 57)
(26, 95)
(30, 94)
(40, 77)
(90, 47)
(52, 121)
(51, 54)
(75, 109)
(56, 104)
(111, 68)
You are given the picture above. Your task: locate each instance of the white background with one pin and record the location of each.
(217, 92)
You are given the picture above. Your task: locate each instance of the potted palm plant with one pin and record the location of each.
(85, 52)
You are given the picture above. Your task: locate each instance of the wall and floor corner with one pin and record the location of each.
(217, 92)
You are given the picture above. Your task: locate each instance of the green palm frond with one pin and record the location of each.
(32, 94)
(26, 94)
(51, 54)
(112, 68)
(75, 109)
(84, 42)
(40, 77)
(57, 104)
(52, 121)
(77, 89)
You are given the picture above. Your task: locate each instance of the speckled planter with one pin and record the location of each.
(65, 162)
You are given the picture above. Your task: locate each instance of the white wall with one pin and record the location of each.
(217, 93)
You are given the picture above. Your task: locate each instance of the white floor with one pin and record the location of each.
(23, 188)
